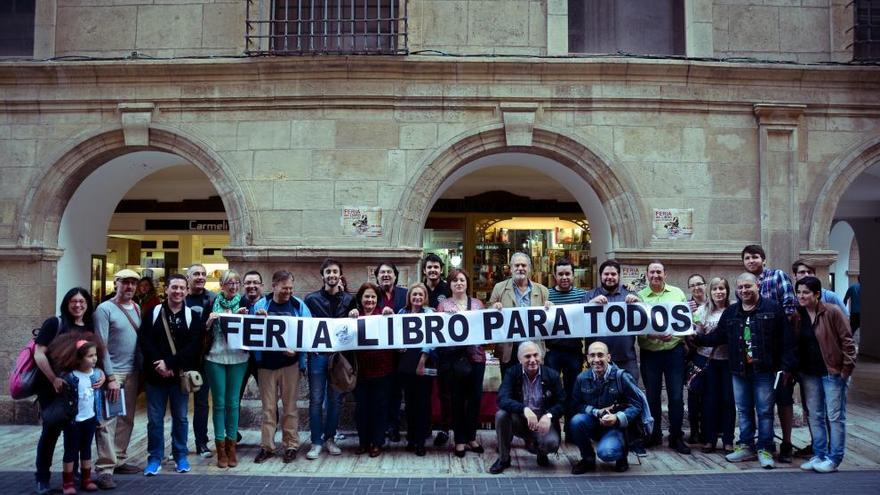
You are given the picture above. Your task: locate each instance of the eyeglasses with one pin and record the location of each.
(233, 283)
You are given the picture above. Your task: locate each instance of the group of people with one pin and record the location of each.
(744, 358)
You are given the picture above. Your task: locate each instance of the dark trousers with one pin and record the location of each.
(696, 399)
(509, 424)
(467, 393)
(668, 365)
(417, 392)
(200, 413)
(395, 398)
(78, 437)
(48, 440)
(719, 410)
(568, 364)
(444, 396)
(372, 395)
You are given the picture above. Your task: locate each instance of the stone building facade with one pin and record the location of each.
(749, 127)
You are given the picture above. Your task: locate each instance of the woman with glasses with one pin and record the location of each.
(225, 369)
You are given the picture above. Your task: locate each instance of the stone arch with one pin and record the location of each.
(613, 186)
(842, 172)
(49, 193)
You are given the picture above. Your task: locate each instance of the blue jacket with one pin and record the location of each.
(267, 359)
(73, 382)
(773, 343)
(590, 394)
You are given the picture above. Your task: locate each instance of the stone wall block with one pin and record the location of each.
(537, 24)
(370, 135)
(223, 25)
(494, 23)
(17, 152)
(169, 26)
(302, 194)
(648, 143)
(443, 23)
(356, 193)
(266, 135)
(804, 29)
(418, 136)
(350, 164)
(754, 28)
(323, 223)
(282, 164)
(262, 192)
(89, 28)
(281, 224)
(315, 134)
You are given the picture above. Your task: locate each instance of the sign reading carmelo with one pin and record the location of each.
(447, 329)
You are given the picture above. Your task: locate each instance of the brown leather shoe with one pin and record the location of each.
(289, 456)
(230, 453)
(263, 455)
(222, 461)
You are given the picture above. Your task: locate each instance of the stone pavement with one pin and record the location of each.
(778, 483)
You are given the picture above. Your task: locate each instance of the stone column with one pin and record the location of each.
(779, 156)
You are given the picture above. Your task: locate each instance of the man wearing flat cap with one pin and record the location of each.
(117, 321)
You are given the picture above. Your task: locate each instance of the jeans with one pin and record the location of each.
(826, 398)
(225, 380)
(48, 439)
(719, 412)
(372, 395)
(321, 396)
(467, 393)
(158, 398)
(754, 394)
(569, 365)
(611, 442)
(78, 436)
(655, 366)
(201, 409)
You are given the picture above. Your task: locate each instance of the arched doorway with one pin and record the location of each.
(850, 197)
(50, 195)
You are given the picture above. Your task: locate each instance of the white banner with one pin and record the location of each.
(451, 329)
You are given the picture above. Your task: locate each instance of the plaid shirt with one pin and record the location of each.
(776, 286)
(533, 392)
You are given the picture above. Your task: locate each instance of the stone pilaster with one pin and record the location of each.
(779, 157)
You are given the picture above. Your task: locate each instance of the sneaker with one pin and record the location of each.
(182, 466)
(331, 447)
(766, 459)
(105, 481)
(314, 452)
(499, 466)
(785, 453)
(289, 456)
(584, 466)
(825, 466)
(127, 469)
(621, 465)
(42, 488)
(441, 439)
(262, 456)
(808, 466)
(203, 451)
(153, 467)
(741, 453)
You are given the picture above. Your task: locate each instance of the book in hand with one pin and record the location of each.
(113, 409)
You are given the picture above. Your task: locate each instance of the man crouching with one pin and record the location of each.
(607, 400)
(530, 401)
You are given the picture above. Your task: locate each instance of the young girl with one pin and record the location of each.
(75, 357)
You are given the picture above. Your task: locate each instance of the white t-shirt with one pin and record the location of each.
(85, 397)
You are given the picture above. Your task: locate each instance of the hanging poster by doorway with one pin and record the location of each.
(633, 277)
(362, 222)
(673, 223)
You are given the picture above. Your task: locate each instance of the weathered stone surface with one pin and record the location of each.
(302, 194)
(169, 26)
(87, 29)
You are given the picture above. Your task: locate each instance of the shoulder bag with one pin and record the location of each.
(190, 381)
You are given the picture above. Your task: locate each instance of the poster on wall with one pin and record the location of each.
(673, 223)
(362, 222)
(633, 277)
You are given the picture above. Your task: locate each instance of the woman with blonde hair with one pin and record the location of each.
(225, 369)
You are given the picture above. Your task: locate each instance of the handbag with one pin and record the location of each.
(343, 373)
(63, 407)
(695, 377)
(24, 379)
(190, 381)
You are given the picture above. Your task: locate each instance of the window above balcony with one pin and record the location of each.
(313, 27)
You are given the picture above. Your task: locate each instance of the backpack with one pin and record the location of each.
(343, 373)
(646, 421)
(23, 378)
